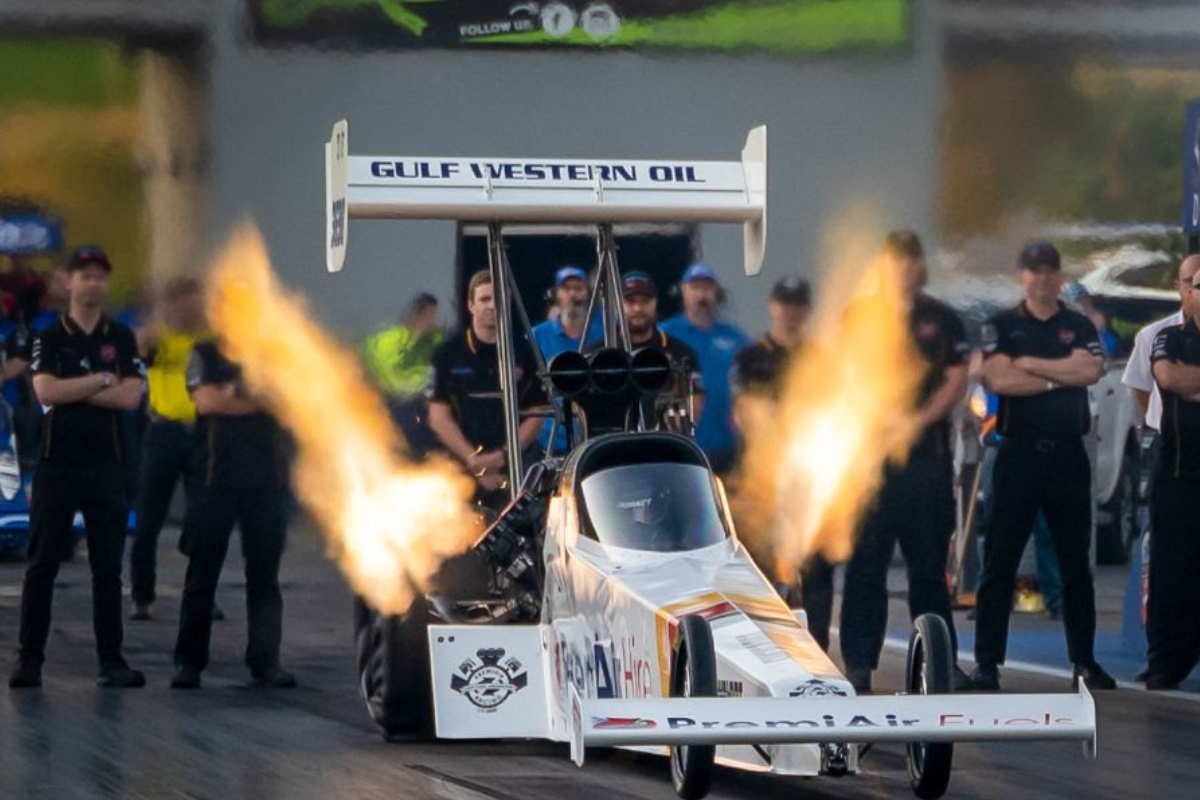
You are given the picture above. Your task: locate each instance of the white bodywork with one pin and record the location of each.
(596, 670)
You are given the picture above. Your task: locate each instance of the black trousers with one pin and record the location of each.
(816, 596)
(915, 508)
(261, 515)
(168, 448)
(1173, 608)
(59, 491)
(1054, 477)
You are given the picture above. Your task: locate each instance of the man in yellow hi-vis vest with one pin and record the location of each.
(168, 443)
(398, 358)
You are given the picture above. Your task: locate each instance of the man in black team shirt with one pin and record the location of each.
(1040, 357)
(86, 369)
(1173, 611)
(915, 505)
(641, 314)
(758, 377)
(465, 410)
(241, 479)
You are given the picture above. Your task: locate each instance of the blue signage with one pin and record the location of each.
(1191, 169)
(26, 233)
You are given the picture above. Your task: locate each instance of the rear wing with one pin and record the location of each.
(505, 190)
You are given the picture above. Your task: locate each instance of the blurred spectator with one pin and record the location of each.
(1173, 609)
(465, 410)
(241, 479)
(1077, 294)
(1040, 357)
(398, 359)
(1137, 371)
(21, 287)
(757, 378)
(716, 342)
(670, 409)
(915, 506)
(86, 369)
(168, 444)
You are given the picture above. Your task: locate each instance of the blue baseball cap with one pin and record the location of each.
(699, 272)
(568, 273)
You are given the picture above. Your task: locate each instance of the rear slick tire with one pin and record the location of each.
(930, 670)
(693, 674)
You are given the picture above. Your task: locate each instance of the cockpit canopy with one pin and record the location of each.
(659, 507)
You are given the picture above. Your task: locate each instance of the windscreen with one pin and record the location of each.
(657, 507)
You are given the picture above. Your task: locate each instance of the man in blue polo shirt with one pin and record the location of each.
(716, 343)
(563, 331)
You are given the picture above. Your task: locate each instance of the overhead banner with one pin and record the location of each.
(800, 27)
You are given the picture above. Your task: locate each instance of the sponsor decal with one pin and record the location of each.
(533, 172)
(489, 679)
(729, 688)
(621, 723)
(863, 721)
(816, 687)
(337, 235)
(621, 670)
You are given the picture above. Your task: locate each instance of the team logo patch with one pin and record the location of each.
(489, 679)
(816, 687)
(927, 329)
(622, 723)
(108, 352)
(1066, 335)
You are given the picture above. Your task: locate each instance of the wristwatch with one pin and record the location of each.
(108, 379)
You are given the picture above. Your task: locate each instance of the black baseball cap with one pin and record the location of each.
(638, 283)
(904, 243)
(1040, 255)
(793, 290)
(87, 256)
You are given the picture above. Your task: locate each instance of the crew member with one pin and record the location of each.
(466, 413)
(758, 379)
(915, 505)
(86, 370)
(1040, 357)
(563, 331)
(716, 342)
(1173, 609)
(241, 479)
(167, 444)
(397, 359)
(671, 408)
(1138, 376)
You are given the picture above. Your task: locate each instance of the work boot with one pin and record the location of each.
(217, 614)
(960, 680)
(1093, 676)
(26, 675)
(275, 677)
(985, 678)
(119, 675)
(185, 677)
(860, 679)
(140, 612)
(1159, 682)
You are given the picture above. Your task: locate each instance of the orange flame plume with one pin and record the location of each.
(389, 523)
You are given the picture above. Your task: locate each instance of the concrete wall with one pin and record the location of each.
(842, 130)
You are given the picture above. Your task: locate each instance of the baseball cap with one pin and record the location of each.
(567, 273)
(793, 290)
(1040, 255)
(699, 272)
(904, 243)
(638, 283)
(86, 256)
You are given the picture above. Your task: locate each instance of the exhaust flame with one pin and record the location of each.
(389, 523)
(815, 461)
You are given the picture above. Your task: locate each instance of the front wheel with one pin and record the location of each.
(930, 670)
(693, 674)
